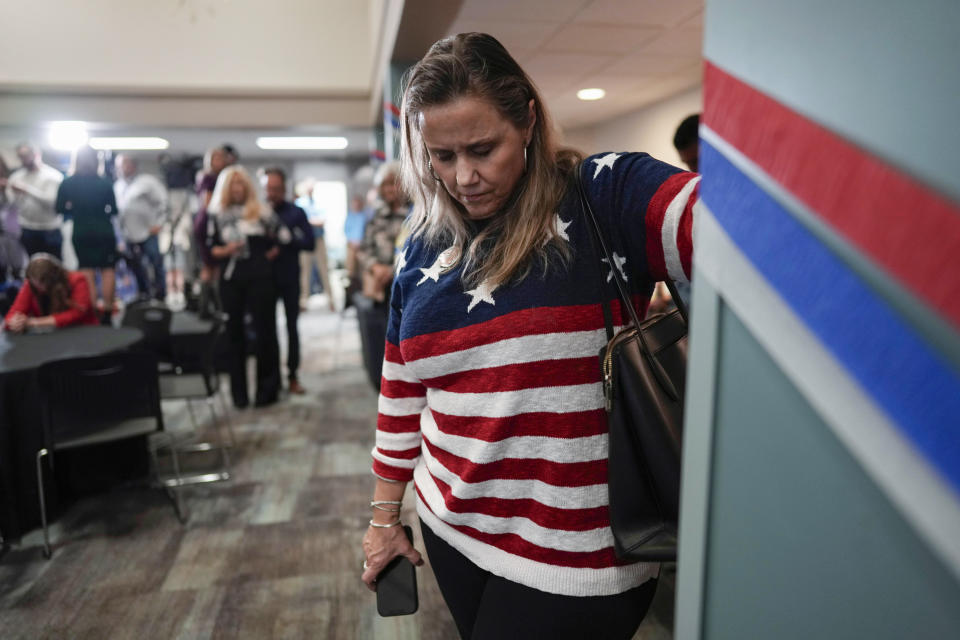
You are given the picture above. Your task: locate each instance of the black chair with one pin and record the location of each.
(153, 319)
(194, 376)
(87, 401)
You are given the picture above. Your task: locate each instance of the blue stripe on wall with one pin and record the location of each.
(901, 372)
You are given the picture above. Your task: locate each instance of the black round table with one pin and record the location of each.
(21, 432)
(19, 352)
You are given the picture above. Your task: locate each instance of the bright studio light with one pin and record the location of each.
(591, 94)
(67, 135)
(128, 143)
(287, 143)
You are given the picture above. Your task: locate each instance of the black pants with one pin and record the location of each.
(289, 294)
(488, 607)
(257, 296)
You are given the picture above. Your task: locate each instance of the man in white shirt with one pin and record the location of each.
(142, 207)
(32, 190)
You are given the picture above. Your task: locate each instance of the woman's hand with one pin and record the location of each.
(17, 323)
(380, 546)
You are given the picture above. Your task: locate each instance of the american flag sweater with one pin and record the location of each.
(491, 398)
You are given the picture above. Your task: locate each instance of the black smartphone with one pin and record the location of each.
(397, 586)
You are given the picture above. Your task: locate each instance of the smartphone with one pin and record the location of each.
(397, 586)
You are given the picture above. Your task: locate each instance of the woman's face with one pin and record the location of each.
(476, 152)
(218, 160)
(38, 286)
(238, 190)
(390, 191)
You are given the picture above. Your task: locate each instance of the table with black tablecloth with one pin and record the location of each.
(21, 431)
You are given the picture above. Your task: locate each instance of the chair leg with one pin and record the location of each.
(177, 498)
(224, 456)
(41, 454)
(193, 418)
(226, 418)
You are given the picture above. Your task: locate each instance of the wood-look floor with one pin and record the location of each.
(273, 553)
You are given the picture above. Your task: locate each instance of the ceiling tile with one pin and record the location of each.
(600, 38)
(570, 64)
(687, 41)
(650, 64)
(513, 35)
(521, 10)
(649, 12)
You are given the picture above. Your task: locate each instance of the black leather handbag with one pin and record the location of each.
(644, 369)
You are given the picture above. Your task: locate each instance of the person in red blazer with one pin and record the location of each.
(51, 297)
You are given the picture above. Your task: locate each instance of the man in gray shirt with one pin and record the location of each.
(32, 190)
(142, 205)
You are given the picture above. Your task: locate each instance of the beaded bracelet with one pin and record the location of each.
(384, 526)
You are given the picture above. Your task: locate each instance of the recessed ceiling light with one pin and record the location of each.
(128, 143)
(67, 135)
(591, 94)
(302, 142)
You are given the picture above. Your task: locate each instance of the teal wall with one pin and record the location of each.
(801, 543)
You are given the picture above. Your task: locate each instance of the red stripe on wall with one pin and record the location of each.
(543, 515)
(557, 474)
(580, 424)
(904, 226)
(526, 375)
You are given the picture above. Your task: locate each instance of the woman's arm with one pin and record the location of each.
(21, 309)
(385, 539)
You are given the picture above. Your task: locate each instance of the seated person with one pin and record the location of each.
(52, 297)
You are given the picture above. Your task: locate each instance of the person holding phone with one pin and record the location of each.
(243, 234)
(51, 298)
(492, 400)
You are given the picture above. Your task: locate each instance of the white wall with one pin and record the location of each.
(650, 129)
(205, 46)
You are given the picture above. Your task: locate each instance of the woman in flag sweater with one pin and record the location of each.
(491, 399)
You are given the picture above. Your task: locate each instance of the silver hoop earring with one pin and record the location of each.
(433, 173)
(524, 159)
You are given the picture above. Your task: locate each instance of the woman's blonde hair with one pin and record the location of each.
(220, 201)
(477, 65)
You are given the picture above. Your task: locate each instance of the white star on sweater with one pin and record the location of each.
(562, 227)
(619, 262)
(401, 261)
(433, 273)
(483, 293)
(605, 161)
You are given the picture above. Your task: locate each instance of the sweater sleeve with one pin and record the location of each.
(23, 303)
(648, 209)
(80, 297)
(402, 399)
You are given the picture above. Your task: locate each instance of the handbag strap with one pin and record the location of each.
(621, 285)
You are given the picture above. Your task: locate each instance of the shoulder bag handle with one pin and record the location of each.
(621, 285)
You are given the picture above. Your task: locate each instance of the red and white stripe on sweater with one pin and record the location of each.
(501, 423)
